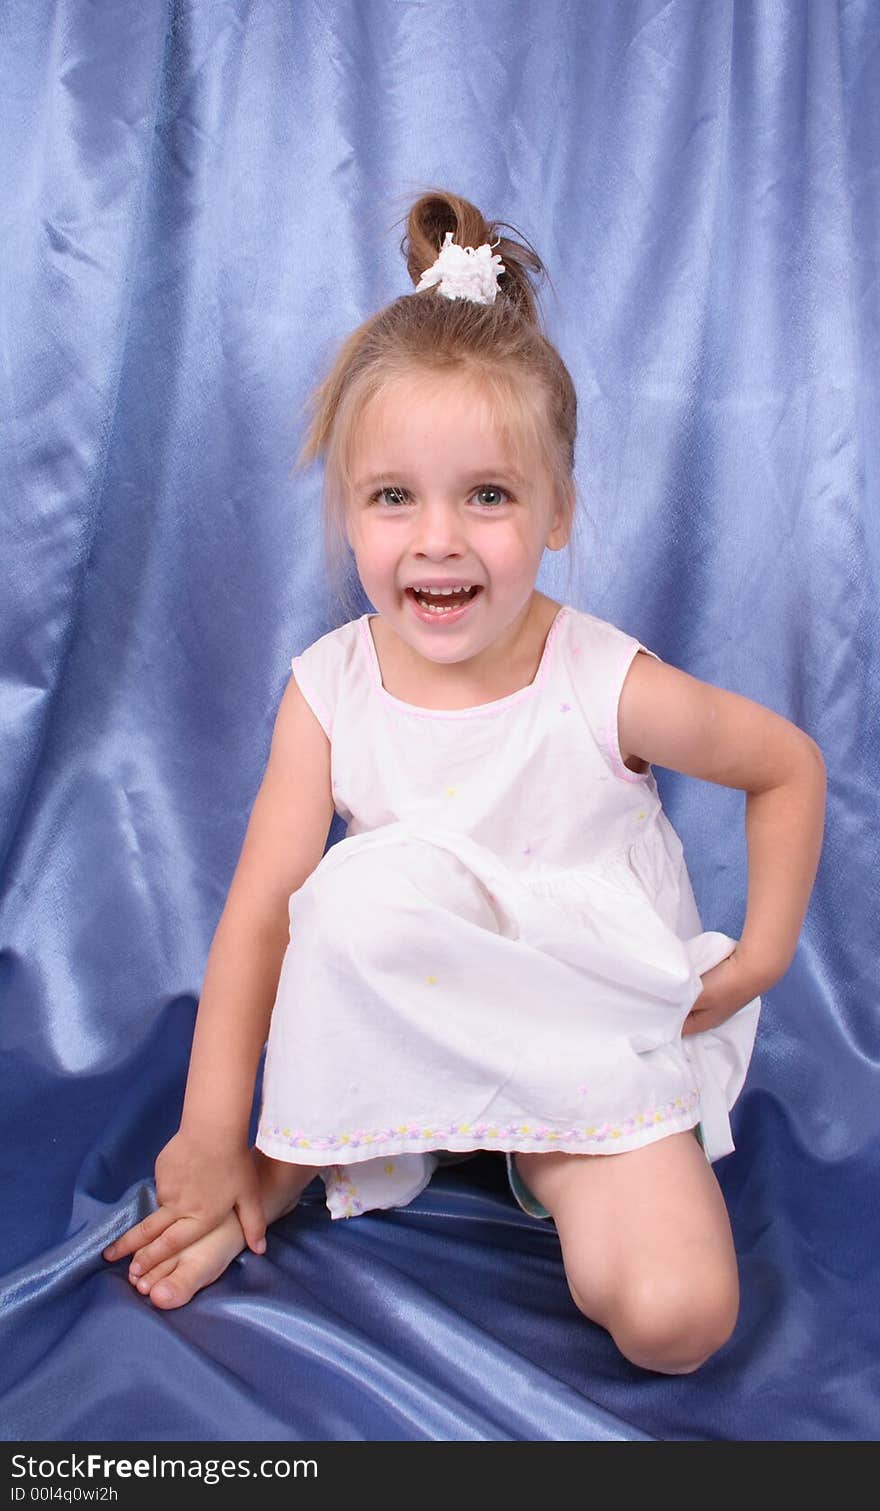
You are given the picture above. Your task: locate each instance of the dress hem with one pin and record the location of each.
(613, 1141)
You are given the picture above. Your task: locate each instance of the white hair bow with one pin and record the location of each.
(464, 272)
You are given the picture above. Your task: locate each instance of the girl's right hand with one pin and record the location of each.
(198, 1183)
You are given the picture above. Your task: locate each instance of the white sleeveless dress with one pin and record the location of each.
(502, 950)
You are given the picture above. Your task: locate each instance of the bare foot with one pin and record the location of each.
(175, 1281)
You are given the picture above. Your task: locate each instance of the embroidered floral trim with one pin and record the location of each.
(344, 1192)
(590, 1133)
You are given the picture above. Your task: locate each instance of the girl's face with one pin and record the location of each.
(437, 502)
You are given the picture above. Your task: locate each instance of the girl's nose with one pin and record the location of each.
(439, 531)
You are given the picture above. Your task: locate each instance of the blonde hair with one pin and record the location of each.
(499, 346)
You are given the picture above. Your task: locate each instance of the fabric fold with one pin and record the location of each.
(466, 1008)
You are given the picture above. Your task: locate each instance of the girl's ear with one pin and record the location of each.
(560, 528)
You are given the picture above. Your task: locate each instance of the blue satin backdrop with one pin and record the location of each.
(198, 201)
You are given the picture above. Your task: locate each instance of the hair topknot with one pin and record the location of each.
(437, 211)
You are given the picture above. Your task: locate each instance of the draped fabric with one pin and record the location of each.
(199, 200)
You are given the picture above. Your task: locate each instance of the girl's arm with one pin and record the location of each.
(206, 1170)
(670, 719)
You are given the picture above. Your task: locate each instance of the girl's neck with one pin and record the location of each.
(502, 670)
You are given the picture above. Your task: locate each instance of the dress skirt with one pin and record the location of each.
(433, 999)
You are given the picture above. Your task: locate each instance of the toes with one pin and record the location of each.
(162, 1290)
(175, 1281)
(145, 1283)
(167, 1296)
(190, 1275)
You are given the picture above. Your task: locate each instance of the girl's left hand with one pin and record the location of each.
(726, 988)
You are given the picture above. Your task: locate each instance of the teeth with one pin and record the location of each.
(461, 594)
(463, 588)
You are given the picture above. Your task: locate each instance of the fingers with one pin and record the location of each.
(173, 1282)
(142, 1233)
(698, 1023)
(168, 1285)
(168, 1245)
(695, 1023)
(253, 1224)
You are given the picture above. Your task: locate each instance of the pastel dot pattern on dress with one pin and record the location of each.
(349, 1190)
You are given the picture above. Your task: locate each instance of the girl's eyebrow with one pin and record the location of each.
(481, 474)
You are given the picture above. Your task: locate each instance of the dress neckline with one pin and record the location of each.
(497, 705)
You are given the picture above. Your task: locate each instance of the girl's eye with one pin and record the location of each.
(390, 495)
(394, 496)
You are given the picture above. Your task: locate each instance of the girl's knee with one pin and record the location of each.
(673, 1324)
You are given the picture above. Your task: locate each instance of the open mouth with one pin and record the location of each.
(442, 601)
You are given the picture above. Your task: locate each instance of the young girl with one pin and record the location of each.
(504, 952)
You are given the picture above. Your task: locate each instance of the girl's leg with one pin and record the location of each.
(647, 1247)
(175, 1281)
